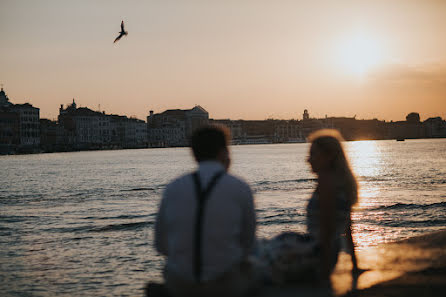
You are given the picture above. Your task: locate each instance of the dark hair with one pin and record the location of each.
(329, 142)
(208, 141)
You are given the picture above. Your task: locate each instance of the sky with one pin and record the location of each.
(242, 59)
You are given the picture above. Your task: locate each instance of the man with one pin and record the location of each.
(206, 224)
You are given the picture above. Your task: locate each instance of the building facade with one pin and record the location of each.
(175, 126)
(19, 126)
(84, 128)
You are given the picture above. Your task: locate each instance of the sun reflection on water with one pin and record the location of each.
(366, 162)
(365, 158)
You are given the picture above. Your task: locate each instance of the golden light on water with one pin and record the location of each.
(366, 162)
(364, 156)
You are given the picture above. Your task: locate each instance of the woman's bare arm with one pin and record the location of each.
(351, 245)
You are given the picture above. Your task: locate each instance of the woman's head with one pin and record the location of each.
(327, 154)
(326, 151)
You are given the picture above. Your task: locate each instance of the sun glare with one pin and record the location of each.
(358, 54)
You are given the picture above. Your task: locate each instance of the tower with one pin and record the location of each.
(306, 115)
(4, 100)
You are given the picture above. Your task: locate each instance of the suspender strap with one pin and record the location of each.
(202, 195)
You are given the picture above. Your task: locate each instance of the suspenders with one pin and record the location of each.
(202, 195)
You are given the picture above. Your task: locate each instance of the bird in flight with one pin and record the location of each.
(122, 33)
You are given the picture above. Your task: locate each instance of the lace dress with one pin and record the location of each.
(291, 256)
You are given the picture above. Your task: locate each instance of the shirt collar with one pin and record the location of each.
(210, 165)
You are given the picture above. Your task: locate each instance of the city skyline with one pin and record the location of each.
(250, 60)
(299, 115)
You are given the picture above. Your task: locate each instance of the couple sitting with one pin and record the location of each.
(206, 224)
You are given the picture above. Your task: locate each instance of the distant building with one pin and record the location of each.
(435, 127)
(140, 132)
(128, 132)
(413, 117)
(87, 129)
(409, 129)
(29, 118)
(19, 126)
(174, 127)
(353, 129)
(9, 131)
(235, 128)
(9, 126)
(310, 125)
(288, 131)
(256, 132)
(105, 131)
(81, 127)
(51, 136)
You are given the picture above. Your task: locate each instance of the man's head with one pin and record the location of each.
(210, 143)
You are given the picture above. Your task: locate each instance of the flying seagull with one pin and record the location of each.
(122, 33)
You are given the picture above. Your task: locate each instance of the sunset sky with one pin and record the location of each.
(237, 59)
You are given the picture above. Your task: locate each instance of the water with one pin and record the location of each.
(81, 224)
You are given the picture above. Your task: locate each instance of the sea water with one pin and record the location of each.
(81, 223)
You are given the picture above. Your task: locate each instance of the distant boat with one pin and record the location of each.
(400, 139)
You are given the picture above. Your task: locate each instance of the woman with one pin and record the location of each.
(312, 257)
(329, 209)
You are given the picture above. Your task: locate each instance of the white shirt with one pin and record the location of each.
(228, 223)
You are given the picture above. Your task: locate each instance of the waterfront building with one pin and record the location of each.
(88, 129)
(235, 128)
(309, 125)
(9, 131)
(435, 127)
(413, 117)
(51, 136)
(410, 129)
(128, 132)
(288, 131)
(353, 129)
(29, 118)
(104, 130)
(257, 132)
(81, 126)
(174, 127)
(140, 128)
(19, 126)
(9, 126)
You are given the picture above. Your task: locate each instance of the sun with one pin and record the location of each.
(359, 54)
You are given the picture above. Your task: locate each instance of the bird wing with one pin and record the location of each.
(117, 38)
(122, 26)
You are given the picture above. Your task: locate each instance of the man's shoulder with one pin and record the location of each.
(179, 181)
(238, 182)
(230, 181)
(235, 179)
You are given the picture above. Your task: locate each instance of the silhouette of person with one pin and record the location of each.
(206, 224)
(312, 256)
(329, 209)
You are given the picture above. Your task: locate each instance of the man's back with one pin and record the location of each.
(228, 223)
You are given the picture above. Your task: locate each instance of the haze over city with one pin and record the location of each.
(238, 59)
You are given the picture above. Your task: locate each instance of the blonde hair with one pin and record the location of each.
(328, 141)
